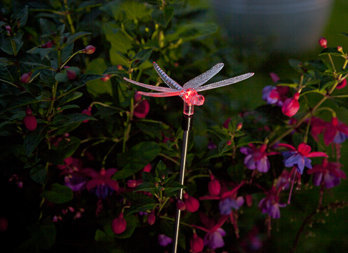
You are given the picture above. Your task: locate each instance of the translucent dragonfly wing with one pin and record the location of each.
(169, 81)
(161, 94)
(225, 82)
(151, 87)
(204, 77)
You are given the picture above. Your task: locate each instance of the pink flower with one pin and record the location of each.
(71, 74)
(317, 127)
(147, 168)
(119, 224)
(328, 174)
(89, 49)
(291, 105)
(164, 240)
(142, 109)
(25, 78)
(335, 131)
(323, 42)
(101, 181)
(29, 120)
(191, 203)
(196, 243)
(274, 76)
(342, 84)
(214, 186)
(87, 112)
(256, 157)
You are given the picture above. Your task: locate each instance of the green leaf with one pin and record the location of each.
(136, 159)
(22, 16)
(98, 87)
(67, 148)
(70, 97)
(101, 236)
(132, 10)
(61, 77)
(31, 141)
(38, 174)
(296, 64)
(119, 41)
(191, 31)
(58, 194)
(331, 51)
(42, 236)
(77, 36)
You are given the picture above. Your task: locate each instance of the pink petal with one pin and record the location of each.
(110, 172)
(317, 154)
(286, 146)
(93, 183)
(329, 134)
(112, 184)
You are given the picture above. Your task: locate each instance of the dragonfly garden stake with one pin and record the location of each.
(188, 93)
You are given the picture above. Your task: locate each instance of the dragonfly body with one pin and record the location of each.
(188, 92)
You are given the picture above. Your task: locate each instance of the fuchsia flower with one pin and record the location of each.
(29, 120)
(299, 157)
(101, 181)
(291, 105)
(275, 94)
(270, 204)
(226, 205)
(89, 49)
(335, 131)
(328, 174)
(317, 127)
(342, 84)
(191, 203)
(214, 233)
(214, 186)
(164, 240)
(142, 109)
(197, 244)
(119, 224)
(25, 78)
(323, 42)
(256, 157)
(87, 112)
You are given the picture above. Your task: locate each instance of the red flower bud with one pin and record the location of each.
(342, 84)
(196, 243)
(105, 78)
(132, 183)
(25, 78)
(291, 106)
(151, 218)
(181, 205)
(147, 168)
(239, 126)
(340, 49)
(119, 225)
(249, 200)
(87, 112)
(192, 204)
(142, 109)
(71, 74)
(323, 42)
(214, 186)
(89, 49)
(30, 122)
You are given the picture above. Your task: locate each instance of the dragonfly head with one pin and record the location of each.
(191, 97)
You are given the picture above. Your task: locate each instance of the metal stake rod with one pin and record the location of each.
(186, 127)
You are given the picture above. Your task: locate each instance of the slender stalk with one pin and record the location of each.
(186, 127)
(68, 16)
(71, 56)
(12, 84)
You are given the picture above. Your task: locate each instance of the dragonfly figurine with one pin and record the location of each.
(189, 91)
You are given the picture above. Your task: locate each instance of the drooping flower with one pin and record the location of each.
(335, 131)
(275, 94)
(328, 174)
(191, 203)
(291, 105)
(342, 84)
(299, 157)
(197, 244)
(214, 239)
(226, 205)
(89, 49)
(142, 109)
(151, 218)
(214, 186)
(71, 74)
(29, 120)
(101, 181)
(164, 240)
(317, 127)
(323, 42)
(147, 168)
(256, 157)
(87, 112)
(270, 204)
(25, 78)
(119, 224)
